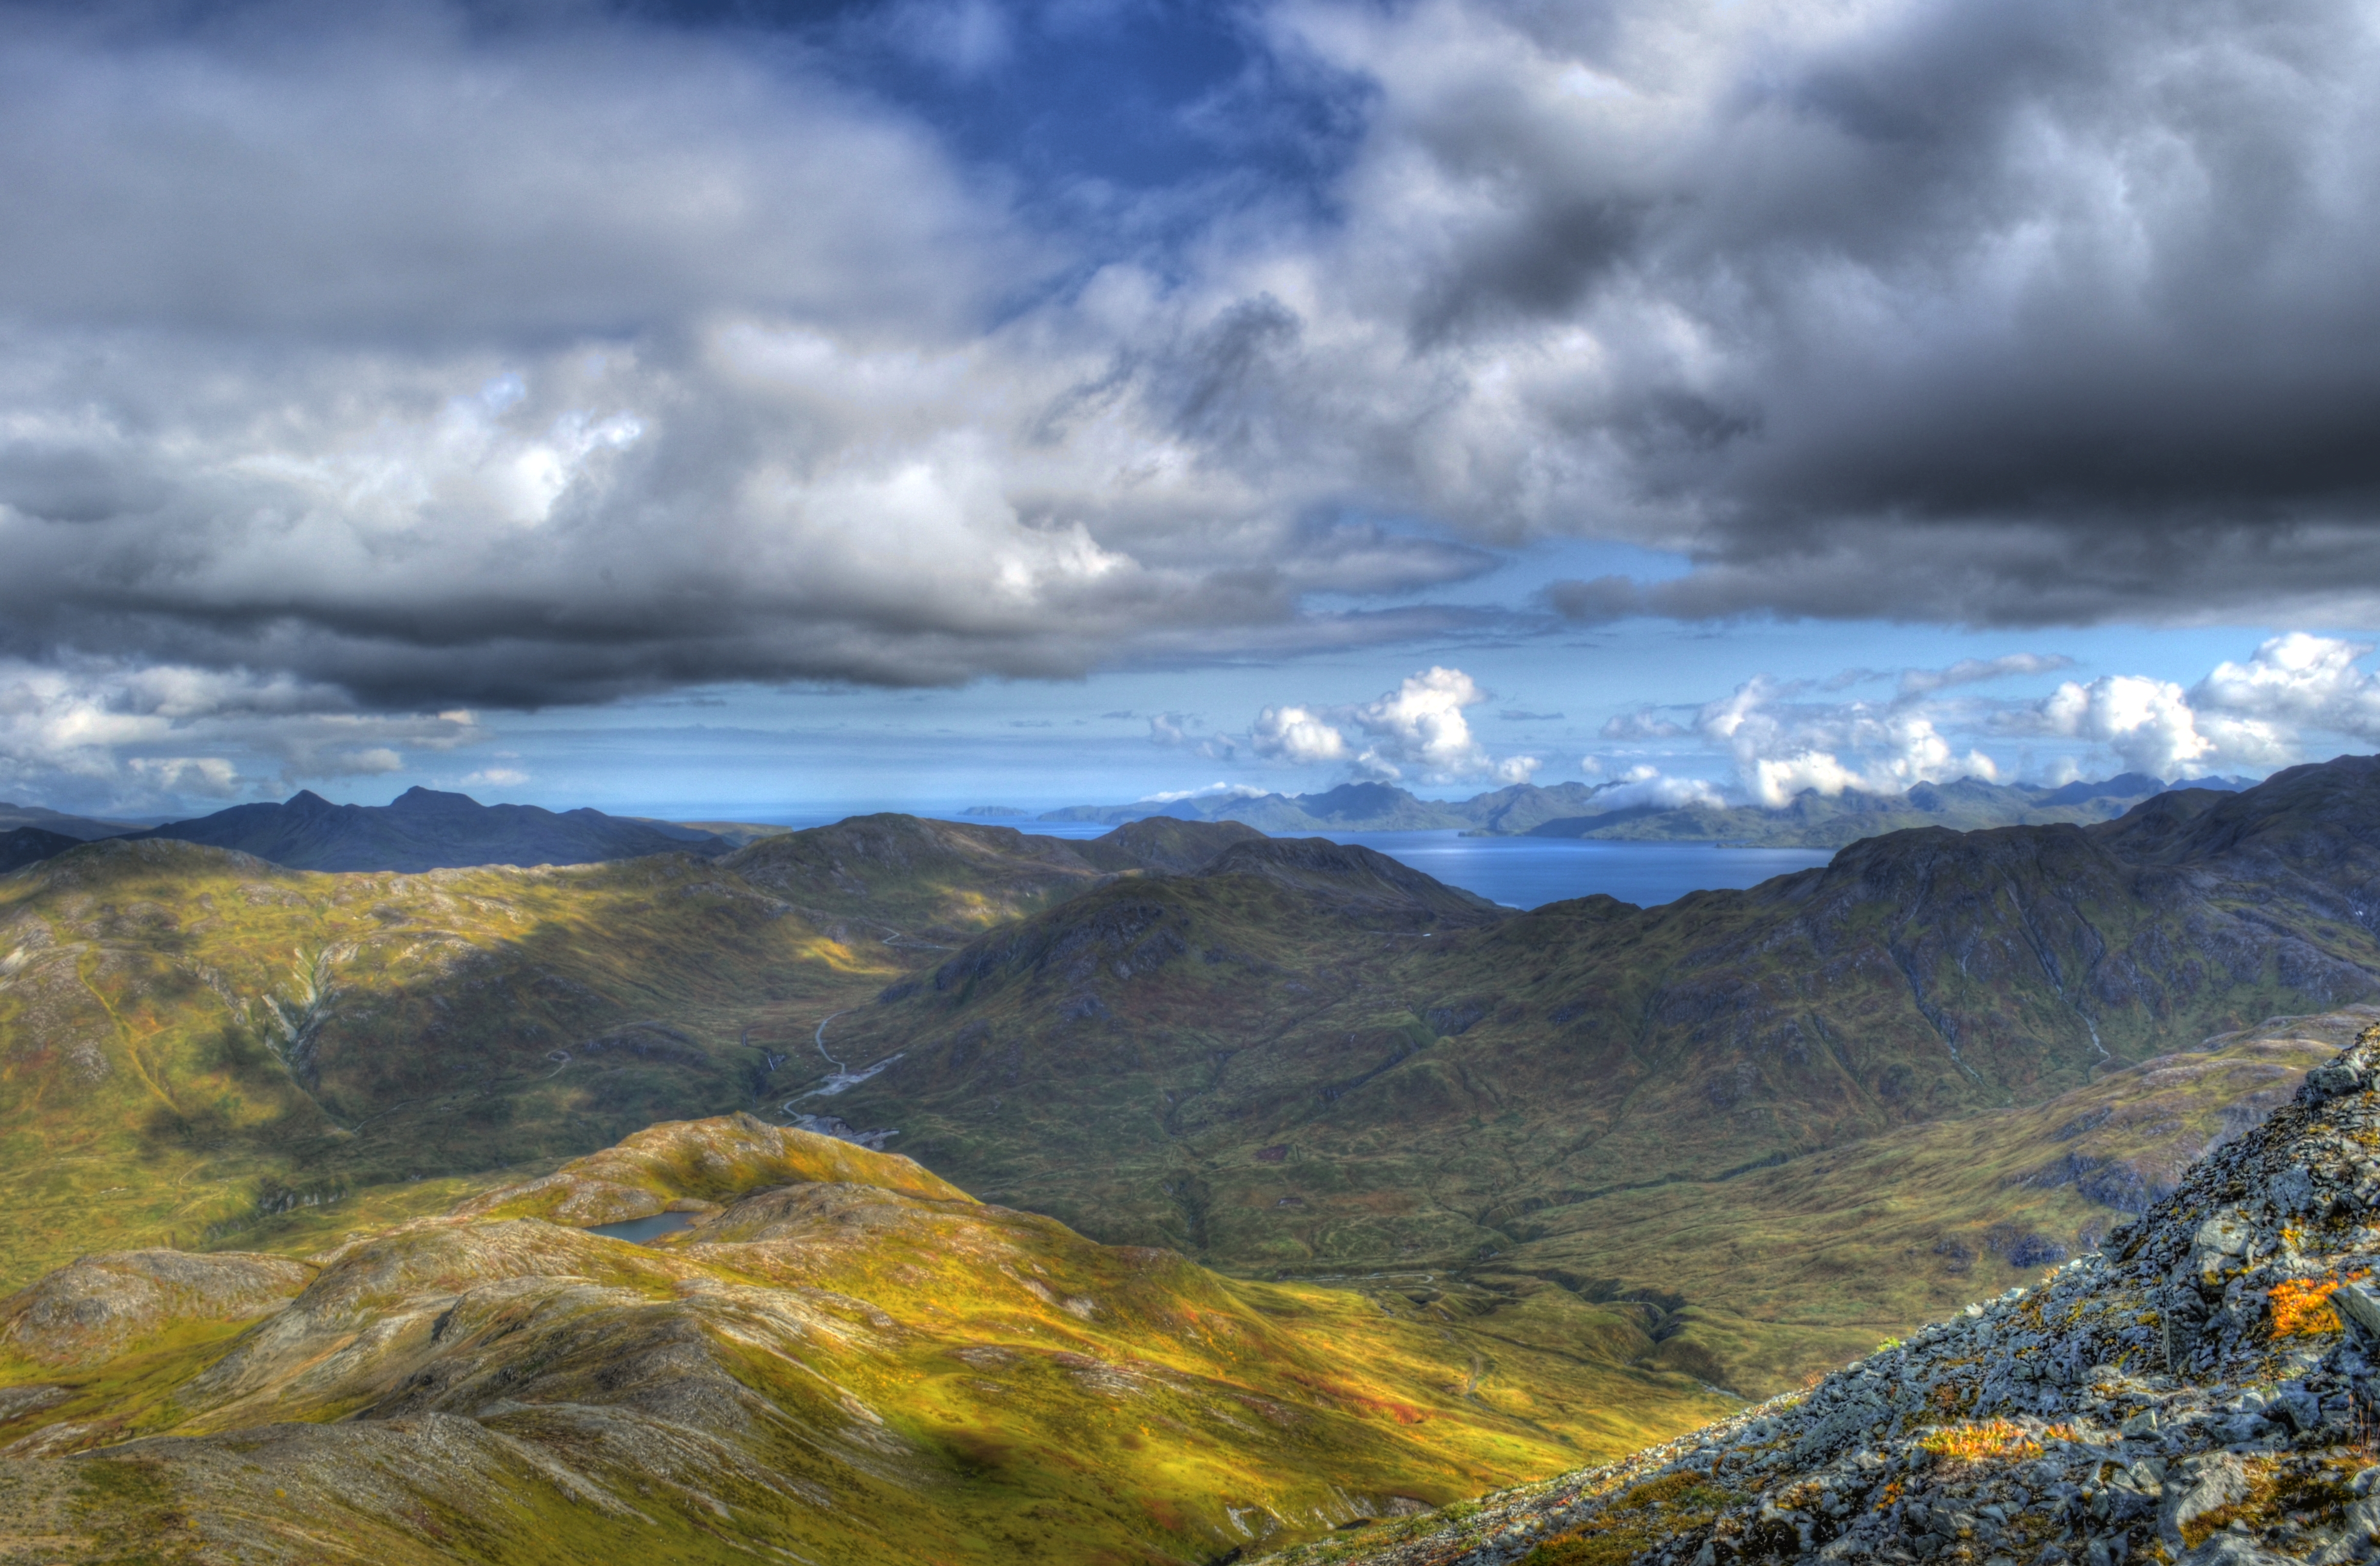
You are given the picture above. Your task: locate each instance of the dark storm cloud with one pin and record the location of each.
(546, 354)
(2009, 313)
(444, 361)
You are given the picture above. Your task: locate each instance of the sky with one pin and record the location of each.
(736, 409)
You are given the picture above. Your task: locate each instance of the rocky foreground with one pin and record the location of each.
(2199, 1393)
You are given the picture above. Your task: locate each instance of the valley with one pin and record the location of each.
(1584, 1176)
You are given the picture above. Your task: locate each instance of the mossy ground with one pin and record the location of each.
(480, 1023)
(948, 1381)
(1562, 1173)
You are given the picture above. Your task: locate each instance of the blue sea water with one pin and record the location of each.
(1522, 872)
(1528, 872)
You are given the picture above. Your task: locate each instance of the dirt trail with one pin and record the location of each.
(820, 1038)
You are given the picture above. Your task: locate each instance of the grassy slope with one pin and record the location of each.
(478, 1020)
(828, 1369)
(1280, 1075)
(1222, 1064)
(1785, 1270)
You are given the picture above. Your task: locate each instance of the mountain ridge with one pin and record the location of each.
(424, 830)
(1810, 820)
(1585, 1045)
(83, 828)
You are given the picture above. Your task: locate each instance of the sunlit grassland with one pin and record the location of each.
(945, 1380)
(152, 1092)
(1282, 1090)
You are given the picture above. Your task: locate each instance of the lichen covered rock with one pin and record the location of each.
(96, 1308)
(2202, 1392)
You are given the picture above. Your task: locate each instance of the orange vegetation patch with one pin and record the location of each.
(1993, 1439)
(2302, 1306)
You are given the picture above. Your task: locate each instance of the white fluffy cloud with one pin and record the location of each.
(1420, 724)
(1211, 791)
(138, 733)
(2298, 679)
(2147, 722)
(1419, 728)
(2274, 709)
(1645, 784)
(1297, 736)
(1782, 749)
(2241, 716)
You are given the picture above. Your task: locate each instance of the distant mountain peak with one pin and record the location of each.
(425, 829)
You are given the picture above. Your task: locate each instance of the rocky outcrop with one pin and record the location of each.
(90, 1312)
(690, 1165)
(2204, 1392)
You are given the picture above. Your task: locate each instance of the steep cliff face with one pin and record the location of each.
(2202, 1393)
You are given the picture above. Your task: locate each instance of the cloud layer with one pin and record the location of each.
(1419, 728)
(2295, 694)
(434, 361)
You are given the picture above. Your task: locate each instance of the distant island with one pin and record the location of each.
(420, 829)
(425, 830)
(1580, 811)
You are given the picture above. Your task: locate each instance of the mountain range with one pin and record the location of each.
(425, 830)
(1358, 806)
(1278, 1057)
(1598, 1160)
(82, 829)
(420, 829)
(838, 1355)
(1227, 1062)
(1810, 819)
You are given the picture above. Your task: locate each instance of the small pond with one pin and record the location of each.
(643, 1230)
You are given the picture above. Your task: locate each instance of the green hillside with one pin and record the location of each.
(1253, 1071)
(846, 1358)
(1607, 1163)
(197, 1042)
